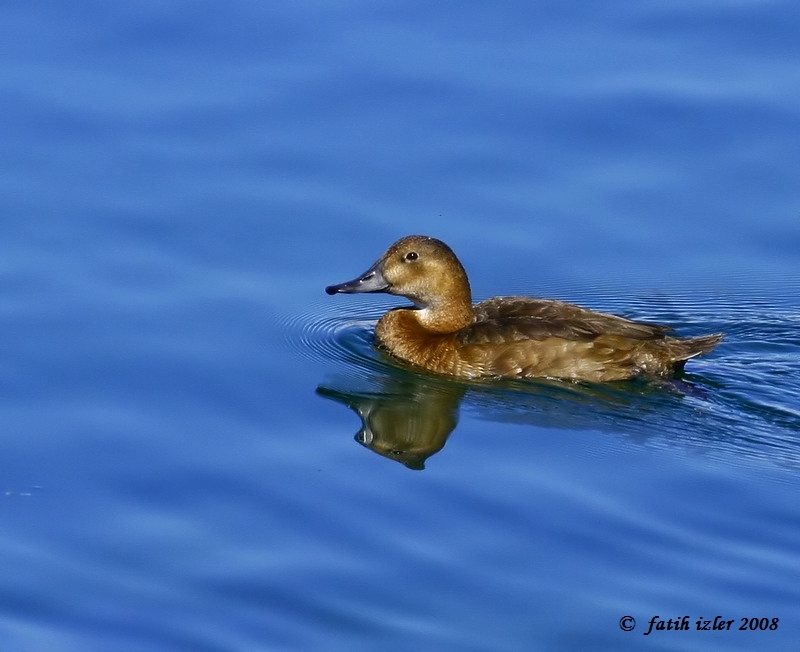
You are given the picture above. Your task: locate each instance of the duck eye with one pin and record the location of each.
(412, 255)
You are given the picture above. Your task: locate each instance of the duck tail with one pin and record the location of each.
(691, 347)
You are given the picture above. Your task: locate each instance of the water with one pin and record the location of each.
(202, 451)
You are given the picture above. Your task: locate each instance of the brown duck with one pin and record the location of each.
(519, 337)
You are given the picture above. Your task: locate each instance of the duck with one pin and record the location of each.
(512, 336)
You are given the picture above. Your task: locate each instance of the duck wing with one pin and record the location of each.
(509, 319)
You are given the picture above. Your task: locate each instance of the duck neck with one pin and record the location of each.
(447, 315)
(446, 320)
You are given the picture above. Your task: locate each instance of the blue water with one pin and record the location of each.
(200, 450)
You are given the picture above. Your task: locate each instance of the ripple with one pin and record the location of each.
(323, 333)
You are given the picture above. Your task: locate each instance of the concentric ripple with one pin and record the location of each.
(326, 334)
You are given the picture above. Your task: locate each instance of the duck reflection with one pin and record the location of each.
(408, 417)
(403, 419)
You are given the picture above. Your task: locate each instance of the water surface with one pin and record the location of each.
(202, 451)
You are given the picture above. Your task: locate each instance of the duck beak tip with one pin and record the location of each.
(371, 281)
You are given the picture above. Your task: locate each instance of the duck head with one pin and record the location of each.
(424, 270)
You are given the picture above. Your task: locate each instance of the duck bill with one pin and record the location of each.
(370, 281)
